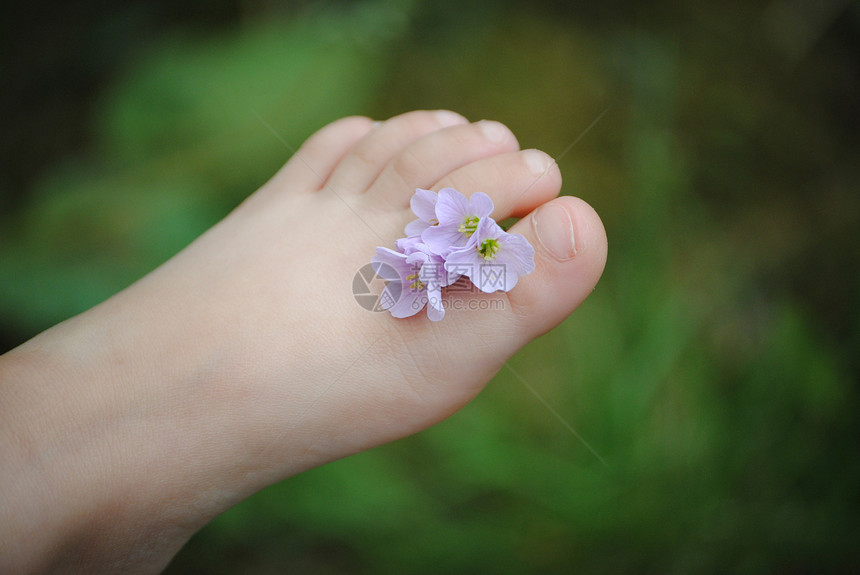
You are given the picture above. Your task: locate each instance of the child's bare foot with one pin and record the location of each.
(246, 358)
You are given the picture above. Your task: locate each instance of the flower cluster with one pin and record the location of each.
(454, 236)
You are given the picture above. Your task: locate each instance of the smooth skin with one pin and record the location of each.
(245, 359)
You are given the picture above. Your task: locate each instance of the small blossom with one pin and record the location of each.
(458, 218)
(415, 280)
(403, 296)
(432, 276)
(423, 204)
(453, 236)
(493, 259)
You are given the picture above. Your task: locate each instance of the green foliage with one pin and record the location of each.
(193, 125)
(713, 376)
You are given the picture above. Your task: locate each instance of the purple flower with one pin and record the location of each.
(458, 218)
(415, 280)
(423, 204)
(433, 265)
(453, 236)
(493, 259)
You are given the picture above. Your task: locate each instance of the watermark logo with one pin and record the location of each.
(373, 289)
(378, 287)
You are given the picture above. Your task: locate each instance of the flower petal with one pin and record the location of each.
(442, 238)
(409, 245)
(415, 227)
(423, 204)
(451, 207)
(487, 228)
(516, 250)
(435, 313)
(388, 264)
(463, 262)
(481, 205)
(410, 303)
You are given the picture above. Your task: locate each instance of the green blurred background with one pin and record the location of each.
(715, 367)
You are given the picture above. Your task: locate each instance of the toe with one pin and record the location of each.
(480, 331)
(570, 254)
(517, 182)
(432, 157)
(311, 166)
(364, 162)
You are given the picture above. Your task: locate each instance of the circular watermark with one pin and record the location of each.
(376, 287)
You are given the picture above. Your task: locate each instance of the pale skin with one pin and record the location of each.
(245, 358)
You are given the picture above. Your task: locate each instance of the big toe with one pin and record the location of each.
(570, 254)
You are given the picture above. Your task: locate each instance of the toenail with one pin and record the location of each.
(448, 118)
(537, 161)
(494, 131)
(554, 230)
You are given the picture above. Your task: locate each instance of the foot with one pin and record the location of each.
(246, 359)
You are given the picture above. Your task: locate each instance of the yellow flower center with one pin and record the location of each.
(488, 248)
(468, 226)
(416, 284)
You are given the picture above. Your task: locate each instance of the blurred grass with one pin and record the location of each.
(714, 368)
